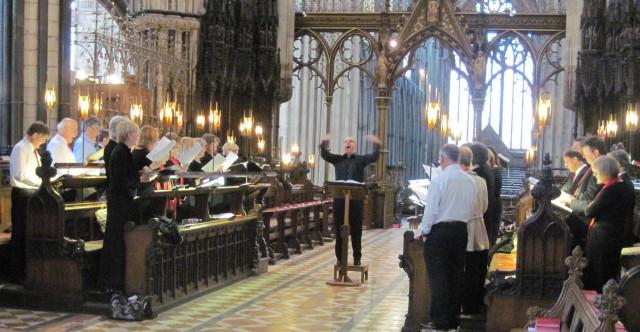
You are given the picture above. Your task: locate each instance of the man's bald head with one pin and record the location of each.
(350, 146)
(68, 129)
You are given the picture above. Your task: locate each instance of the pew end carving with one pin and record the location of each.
(412, 261)
(543, 244)
(572, 307)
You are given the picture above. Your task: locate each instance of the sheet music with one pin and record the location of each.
(96, 155)
(188, 156)
(557, 203)
(420, 189)
(215, 182)
(228, 161)
(349, 181)
(208, 167)
(432, 171)
(161, 150)
(226, 215)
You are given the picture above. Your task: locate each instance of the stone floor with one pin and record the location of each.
(292, 296)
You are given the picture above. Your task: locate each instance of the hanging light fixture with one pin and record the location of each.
(544, 110)
(83, 106)
(444, 125)
(531, 155)
(50, 97)
(311, 161)
(631, 117)
(433, 112)
(231, 137)
(612, 127)
(261, 145)
(200, 121)
(602, 128)
(97, 105)
(455, 131)
(137, 113)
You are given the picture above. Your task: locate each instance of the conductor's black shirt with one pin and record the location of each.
(349, 168)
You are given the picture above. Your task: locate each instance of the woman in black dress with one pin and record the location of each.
(120, 205)
(606, 230)
(147, 140)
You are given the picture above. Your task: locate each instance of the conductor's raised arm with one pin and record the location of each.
(324, 151)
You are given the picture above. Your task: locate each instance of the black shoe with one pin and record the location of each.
(356, 261)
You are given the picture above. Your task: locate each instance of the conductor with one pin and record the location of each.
(349, 166)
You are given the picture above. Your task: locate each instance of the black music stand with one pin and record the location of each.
(348, 191)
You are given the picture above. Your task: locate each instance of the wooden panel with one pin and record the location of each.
(5, 208)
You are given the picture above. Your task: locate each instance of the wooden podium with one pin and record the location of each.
(347, 191)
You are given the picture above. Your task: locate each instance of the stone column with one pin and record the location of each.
(477, 100)
(64, 60)
(382, 114)
(16, 76)
(329, 103)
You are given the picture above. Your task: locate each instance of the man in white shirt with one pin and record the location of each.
(24, 182)
(87, 143)
(59, 146)
(444, 225)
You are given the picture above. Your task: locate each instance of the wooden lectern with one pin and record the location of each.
(348, 191)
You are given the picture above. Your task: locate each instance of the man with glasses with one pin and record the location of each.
(87, 144)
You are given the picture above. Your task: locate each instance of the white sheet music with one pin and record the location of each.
(188, 156)
(228, 161)
(161, 150)
(433, 172)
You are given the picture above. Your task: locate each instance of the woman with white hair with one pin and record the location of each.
(120, 205)
(606, 230)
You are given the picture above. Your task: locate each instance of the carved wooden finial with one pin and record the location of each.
(575, 264)
(545, 191)
(609, 303)
(45, 171)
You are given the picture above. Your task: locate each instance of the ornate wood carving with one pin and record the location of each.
(238, 66)
(373, 21)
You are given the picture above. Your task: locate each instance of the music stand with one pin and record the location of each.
(348, 191)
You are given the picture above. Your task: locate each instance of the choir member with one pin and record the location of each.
(59, 146)
(577, 144)
(476, 256)
(120, 205)
(211, 149)
(624, 161)
(113, 141)
(444, 225)
(483, 170)
(577, 167)
(147, 140)
(24, 182)
(607, 213)
(586, 191)
(230, 147)
(349, 166)
(173, 155)
(494, 163)
(87, 143)
(103, 138)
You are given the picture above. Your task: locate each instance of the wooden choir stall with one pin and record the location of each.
(62, 260)
(541, 278)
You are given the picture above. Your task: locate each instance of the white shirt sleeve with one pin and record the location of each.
(431, 208)
(23, 164)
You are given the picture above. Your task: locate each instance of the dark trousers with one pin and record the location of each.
(444, 252)
(475, 272)
(19, 200)
(355, 224)
(603, 252)
(579, 229)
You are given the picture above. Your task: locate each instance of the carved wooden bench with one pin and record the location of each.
(574, 310)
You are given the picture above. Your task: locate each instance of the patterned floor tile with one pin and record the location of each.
(292, 296)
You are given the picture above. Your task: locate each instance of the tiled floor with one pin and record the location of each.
(292, 296)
